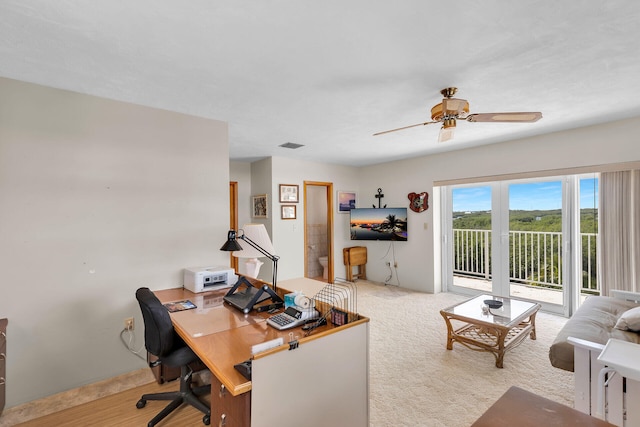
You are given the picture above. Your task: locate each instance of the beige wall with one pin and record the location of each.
(97, 198)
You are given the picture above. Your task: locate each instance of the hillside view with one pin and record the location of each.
(521, 220)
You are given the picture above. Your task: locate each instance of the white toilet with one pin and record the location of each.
(324, 262)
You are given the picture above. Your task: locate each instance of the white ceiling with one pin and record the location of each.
(328, 74)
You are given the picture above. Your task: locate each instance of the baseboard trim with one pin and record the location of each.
(77, 396)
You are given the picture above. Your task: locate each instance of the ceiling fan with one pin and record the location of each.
(451, 109)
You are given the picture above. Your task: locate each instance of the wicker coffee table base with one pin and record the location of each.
(492, 338)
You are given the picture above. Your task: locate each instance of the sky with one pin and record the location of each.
(371, 215)
(529, 196)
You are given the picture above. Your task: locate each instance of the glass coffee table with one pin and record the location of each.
(495, 330)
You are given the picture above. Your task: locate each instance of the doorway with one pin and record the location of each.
(318, 230)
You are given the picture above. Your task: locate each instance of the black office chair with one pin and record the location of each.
(162, 341)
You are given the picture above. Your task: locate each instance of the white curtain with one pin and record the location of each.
(619, 225)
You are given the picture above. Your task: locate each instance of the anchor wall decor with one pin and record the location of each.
(379, 196)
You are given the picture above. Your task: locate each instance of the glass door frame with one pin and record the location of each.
(500, 275)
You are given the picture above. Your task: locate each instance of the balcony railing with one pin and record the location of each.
(535, 258)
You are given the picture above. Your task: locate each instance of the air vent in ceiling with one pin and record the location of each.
(291, 145)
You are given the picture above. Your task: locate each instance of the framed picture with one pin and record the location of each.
(346, 201)
(259, 204)
(288, 211)
(288, 193)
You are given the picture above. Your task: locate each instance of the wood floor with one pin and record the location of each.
(120, 410)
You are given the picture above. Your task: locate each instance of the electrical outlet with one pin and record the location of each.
(128, 323)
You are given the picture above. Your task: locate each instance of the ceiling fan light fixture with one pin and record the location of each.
(449, 122)
(447, 130)
(446, 133)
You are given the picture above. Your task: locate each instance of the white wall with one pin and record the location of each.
(288, 235)
(97, 198)
(418, 259)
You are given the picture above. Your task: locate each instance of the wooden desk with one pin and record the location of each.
(223, 336)
(518, 407)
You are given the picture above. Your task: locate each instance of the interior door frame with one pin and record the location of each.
(233, 218)
(329, 195)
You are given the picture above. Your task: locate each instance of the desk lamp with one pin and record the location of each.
(258, 245)
(247, 299)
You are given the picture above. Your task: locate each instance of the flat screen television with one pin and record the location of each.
(379, 224)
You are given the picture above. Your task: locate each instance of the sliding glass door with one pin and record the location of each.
(524, 239)
(537, 230)
(470, 234)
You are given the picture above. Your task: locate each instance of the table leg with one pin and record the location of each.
(449, 332)
(532, 319)
(499, 353)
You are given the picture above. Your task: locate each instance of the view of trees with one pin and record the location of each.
(544, 221)
(526, 264)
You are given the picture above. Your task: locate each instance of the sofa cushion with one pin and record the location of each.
(629, 320)
(594, 321)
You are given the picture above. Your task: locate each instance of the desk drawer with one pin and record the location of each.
(228, 410)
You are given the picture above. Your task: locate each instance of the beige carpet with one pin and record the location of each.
(416, 381)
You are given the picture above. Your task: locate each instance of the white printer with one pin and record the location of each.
(202, 279)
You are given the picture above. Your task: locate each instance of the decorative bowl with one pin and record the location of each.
(492, 303)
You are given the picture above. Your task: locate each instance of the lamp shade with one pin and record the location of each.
(231, 244)
(258, 234)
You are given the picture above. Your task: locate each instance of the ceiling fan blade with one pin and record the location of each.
(520, 117)
(402, 128)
